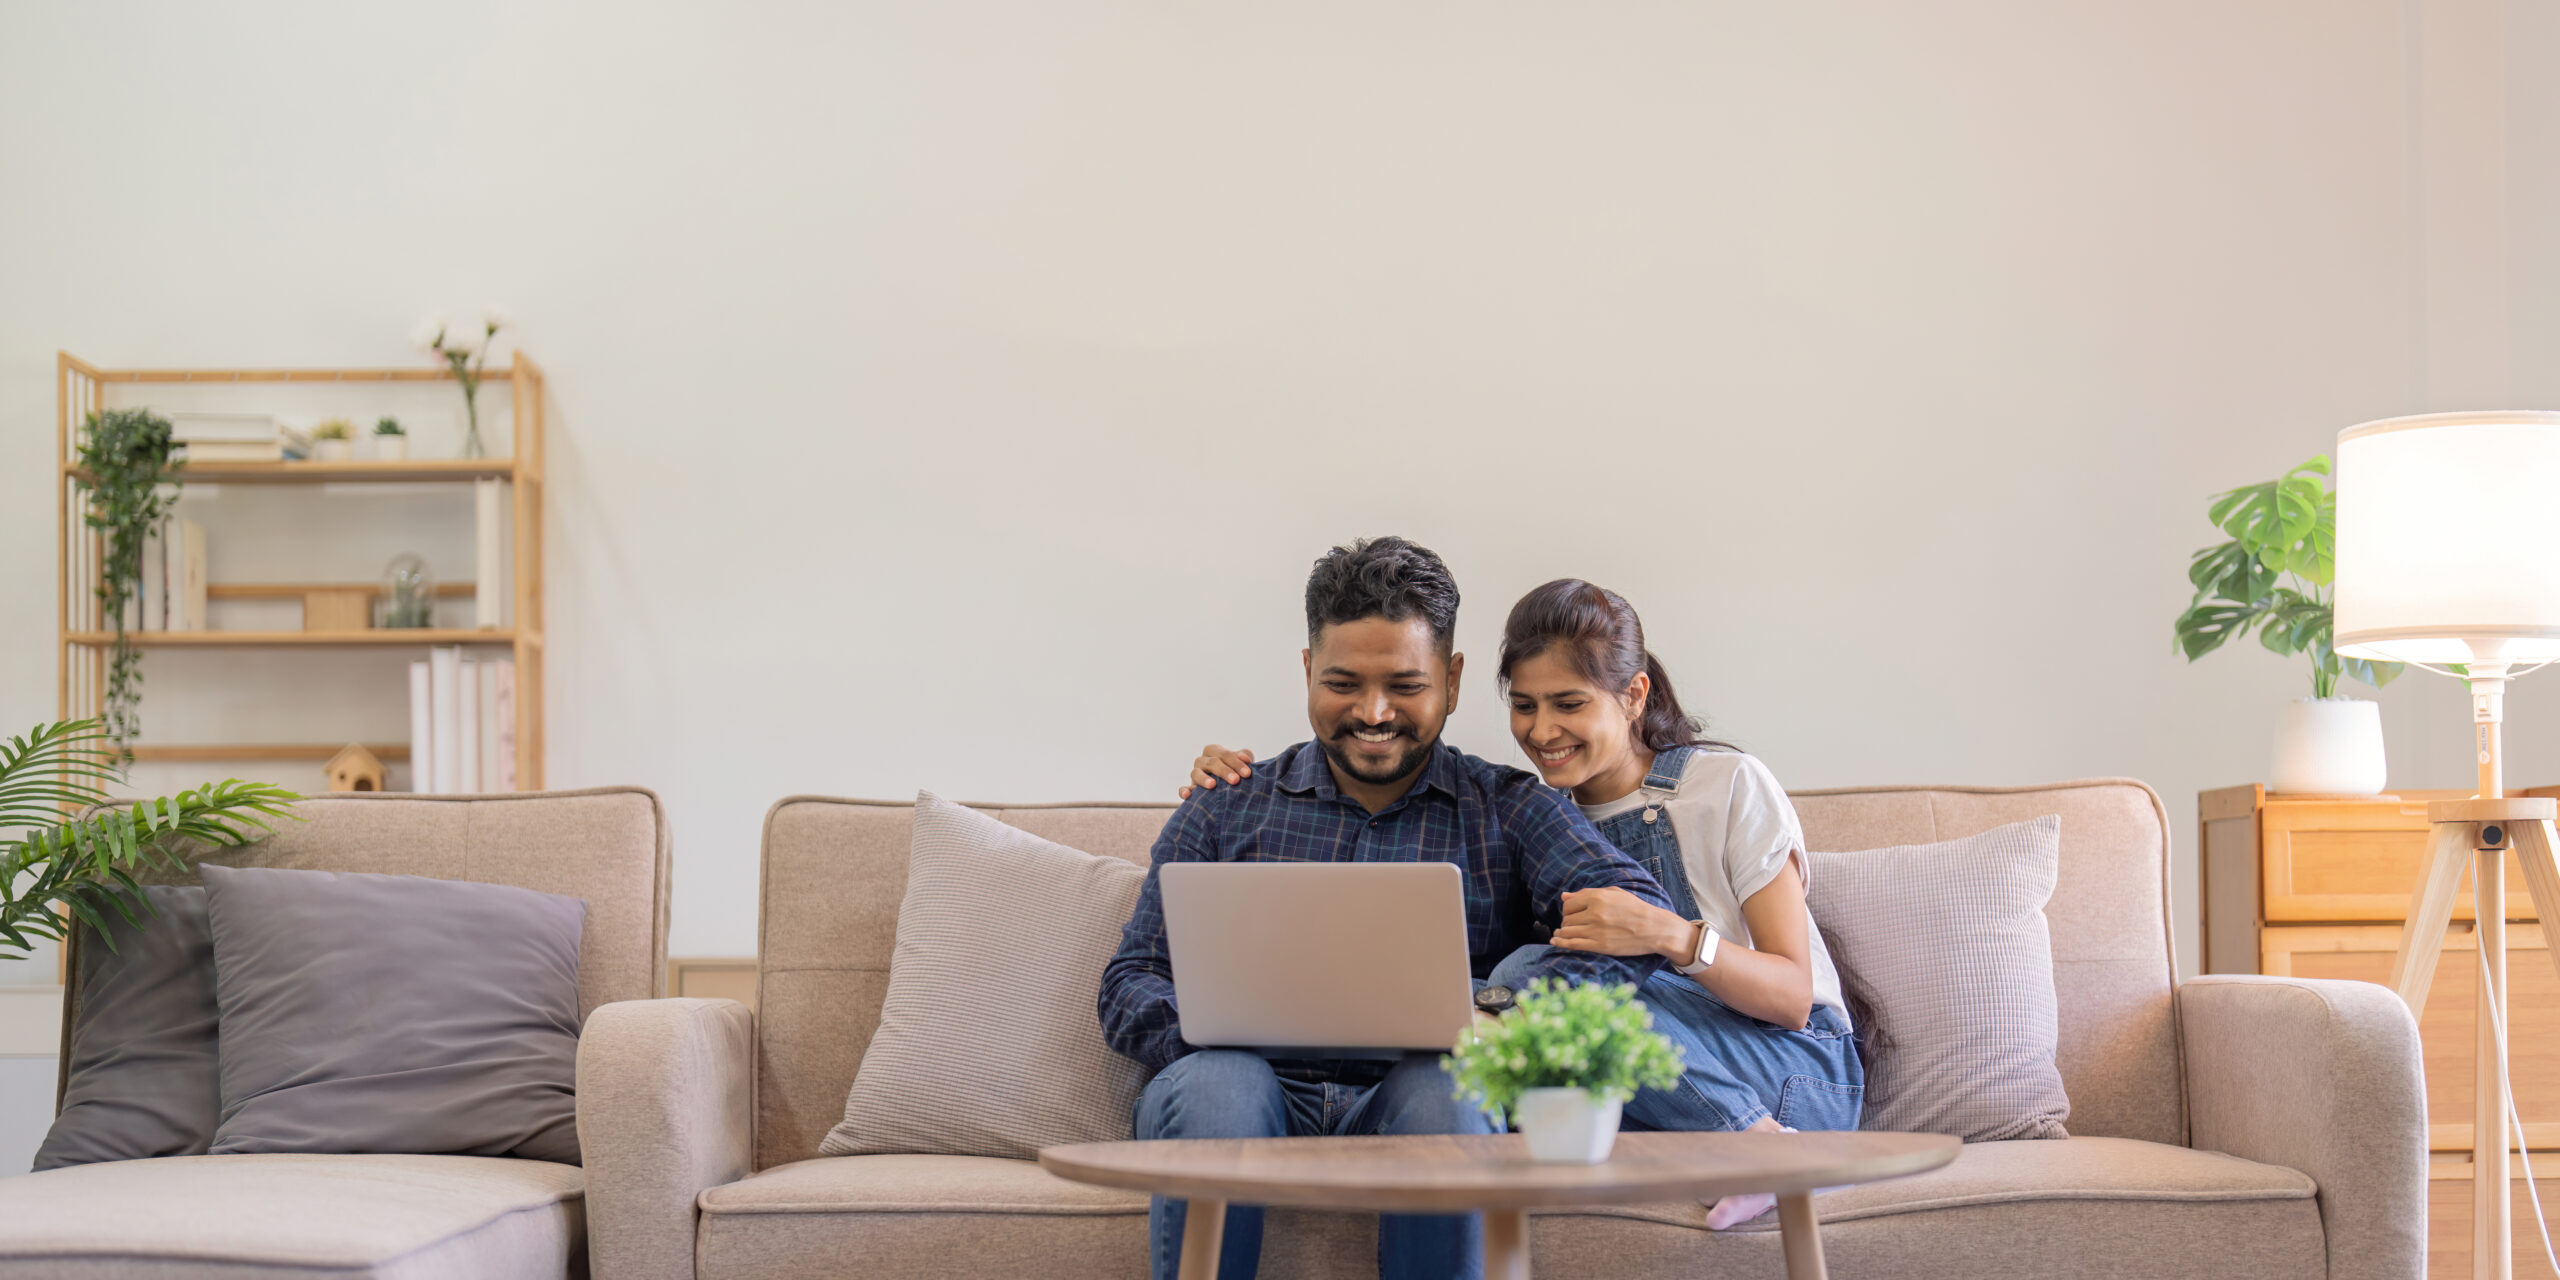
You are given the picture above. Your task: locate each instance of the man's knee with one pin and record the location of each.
(1419, 1097)
(1514, 970)
(1216, 1093)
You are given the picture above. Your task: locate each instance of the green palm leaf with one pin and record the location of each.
(74, 851)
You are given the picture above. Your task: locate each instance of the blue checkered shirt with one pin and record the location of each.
(1520, 843)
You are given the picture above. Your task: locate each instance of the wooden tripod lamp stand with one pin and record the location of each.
(2448, 558)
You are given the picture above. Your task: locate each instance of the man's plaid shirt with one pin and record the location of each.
(1520, 844)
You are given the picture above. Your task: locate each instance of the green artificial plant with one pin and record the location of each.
(2273, 575)
(58, 845)
(126, 457)
(1591, 1037)
(388, 427)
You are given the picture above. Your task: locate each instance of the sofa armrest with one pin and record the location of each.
(2324, 1076)
(664, 1112)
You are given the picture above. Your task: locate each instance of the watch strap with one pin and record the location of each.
(1705, 956)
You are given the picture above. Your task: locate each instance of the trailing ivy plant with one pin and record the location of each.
(59, 846)
(2274, 576)
(127, 455)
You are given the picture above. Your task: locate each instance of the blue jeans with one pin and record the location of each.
(1735, 1069)
(1225, 1093)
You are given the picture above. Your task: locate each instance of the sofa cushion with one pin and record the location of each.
(924, 1215)
(142, 1080)
(372, 1013)
(309, 1217)
(2090, 1208)
(988, 1044)
(1949, 942)
(2076, 1206)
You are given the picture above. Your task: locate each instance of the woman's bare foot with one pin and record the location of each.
(1734, 1210)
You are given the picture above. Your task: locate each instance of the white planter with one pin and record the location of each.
(390, 448)
(2328, 746)
(1564, 1126)
(332, 450)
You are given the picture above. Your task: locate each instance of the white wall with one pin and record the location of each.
(953, 395)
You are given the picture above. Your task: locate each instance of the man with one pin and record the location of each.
(1375, 785)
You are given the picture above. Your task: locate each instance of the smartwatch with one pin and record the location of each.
(1493, 999)
(1704, 957)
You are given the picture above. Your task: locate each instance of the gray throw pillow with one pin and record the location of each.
(142, 1080)
(1949, 943)
(394, 1014)
(994, 1051)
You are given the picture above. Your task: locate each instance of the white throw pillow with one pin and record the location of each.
(1949, 942)
(988, 1043)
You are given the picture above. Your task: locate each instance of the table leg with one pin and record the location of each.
(1802, 1238)
(1204, 1228)
(1506, 1244)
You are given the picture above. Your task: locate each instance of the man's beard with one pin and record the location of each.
(1400, 767)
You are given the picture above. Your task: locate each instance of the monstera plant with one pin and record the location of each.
(2273, 576)
(66, 855)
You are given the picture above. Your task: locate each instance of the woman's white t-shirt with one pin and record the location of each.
(1736, 829)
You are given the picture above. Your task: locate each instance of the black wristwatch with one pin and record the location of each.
(1493, 999)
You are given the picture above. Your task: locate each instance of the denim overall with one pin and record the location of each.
(1736, 1068)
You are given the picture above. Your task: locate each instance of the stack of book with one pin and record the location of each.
(462, 723)
(228, 437)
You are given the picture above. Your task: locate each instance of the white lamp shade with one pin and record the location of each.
(2449, 538)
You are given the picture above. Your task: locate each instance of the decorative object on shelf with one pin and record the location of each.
(466, 349)
(337, 609)
(1562, 1062)
(408, 598)
(390, 442)
(126, 455)
(2274, 576)
(333, 441)
(356, 769)
(2445, 532)
(85, 863)
(230, 437)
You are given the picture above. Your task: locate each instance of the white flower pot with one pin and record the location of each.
(2328, 746)
(390, 448)
(1565, 1126)
(332, 450)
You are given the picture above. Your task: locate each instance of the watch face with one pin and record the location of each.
(1494, 999)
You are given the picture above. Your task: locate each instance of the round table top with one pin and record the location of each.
(1493, 1171)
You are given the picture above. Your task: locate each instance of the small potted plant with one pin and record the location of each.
(333, 441)
(2273, 576)
(1562, 1063)
(390, 443)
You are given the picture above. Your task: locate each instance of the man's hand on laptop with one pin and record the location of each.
(1215, 765)
(1614, 922)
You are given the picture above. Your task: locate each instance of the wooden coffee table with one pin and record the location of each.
(1493, 1173)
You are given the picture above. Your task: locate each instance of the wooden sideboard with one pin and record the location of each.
(2318, 887)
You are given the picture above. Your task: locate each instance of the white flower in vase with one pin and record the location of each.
(425, 335)
(463, 339)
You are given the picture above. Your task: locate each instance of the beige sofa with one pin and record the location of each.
(2260, 1127)
(323, 1217)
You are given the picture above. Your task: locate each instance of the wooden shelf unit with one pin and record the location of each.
(85, 639)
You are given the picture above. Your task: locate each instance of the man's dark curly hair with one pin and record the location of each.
(1386, 578)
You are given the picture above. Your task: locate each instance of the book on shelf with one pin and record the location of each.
(422, 710)
(233, 450)
(444, 732)
(466, 727)
(188, 426)
(183, 576)
(462, 728)
(488, 538)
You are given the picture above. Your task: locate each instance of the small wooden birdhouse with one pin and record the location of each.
(355, 769)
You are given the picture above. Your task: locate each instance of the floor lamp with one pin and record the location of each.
(2448, 558)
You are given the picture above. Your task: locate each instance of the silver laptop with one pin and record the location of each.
(1318, 959)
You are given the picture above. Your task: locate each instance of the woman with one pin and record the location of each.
(1747, 989)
